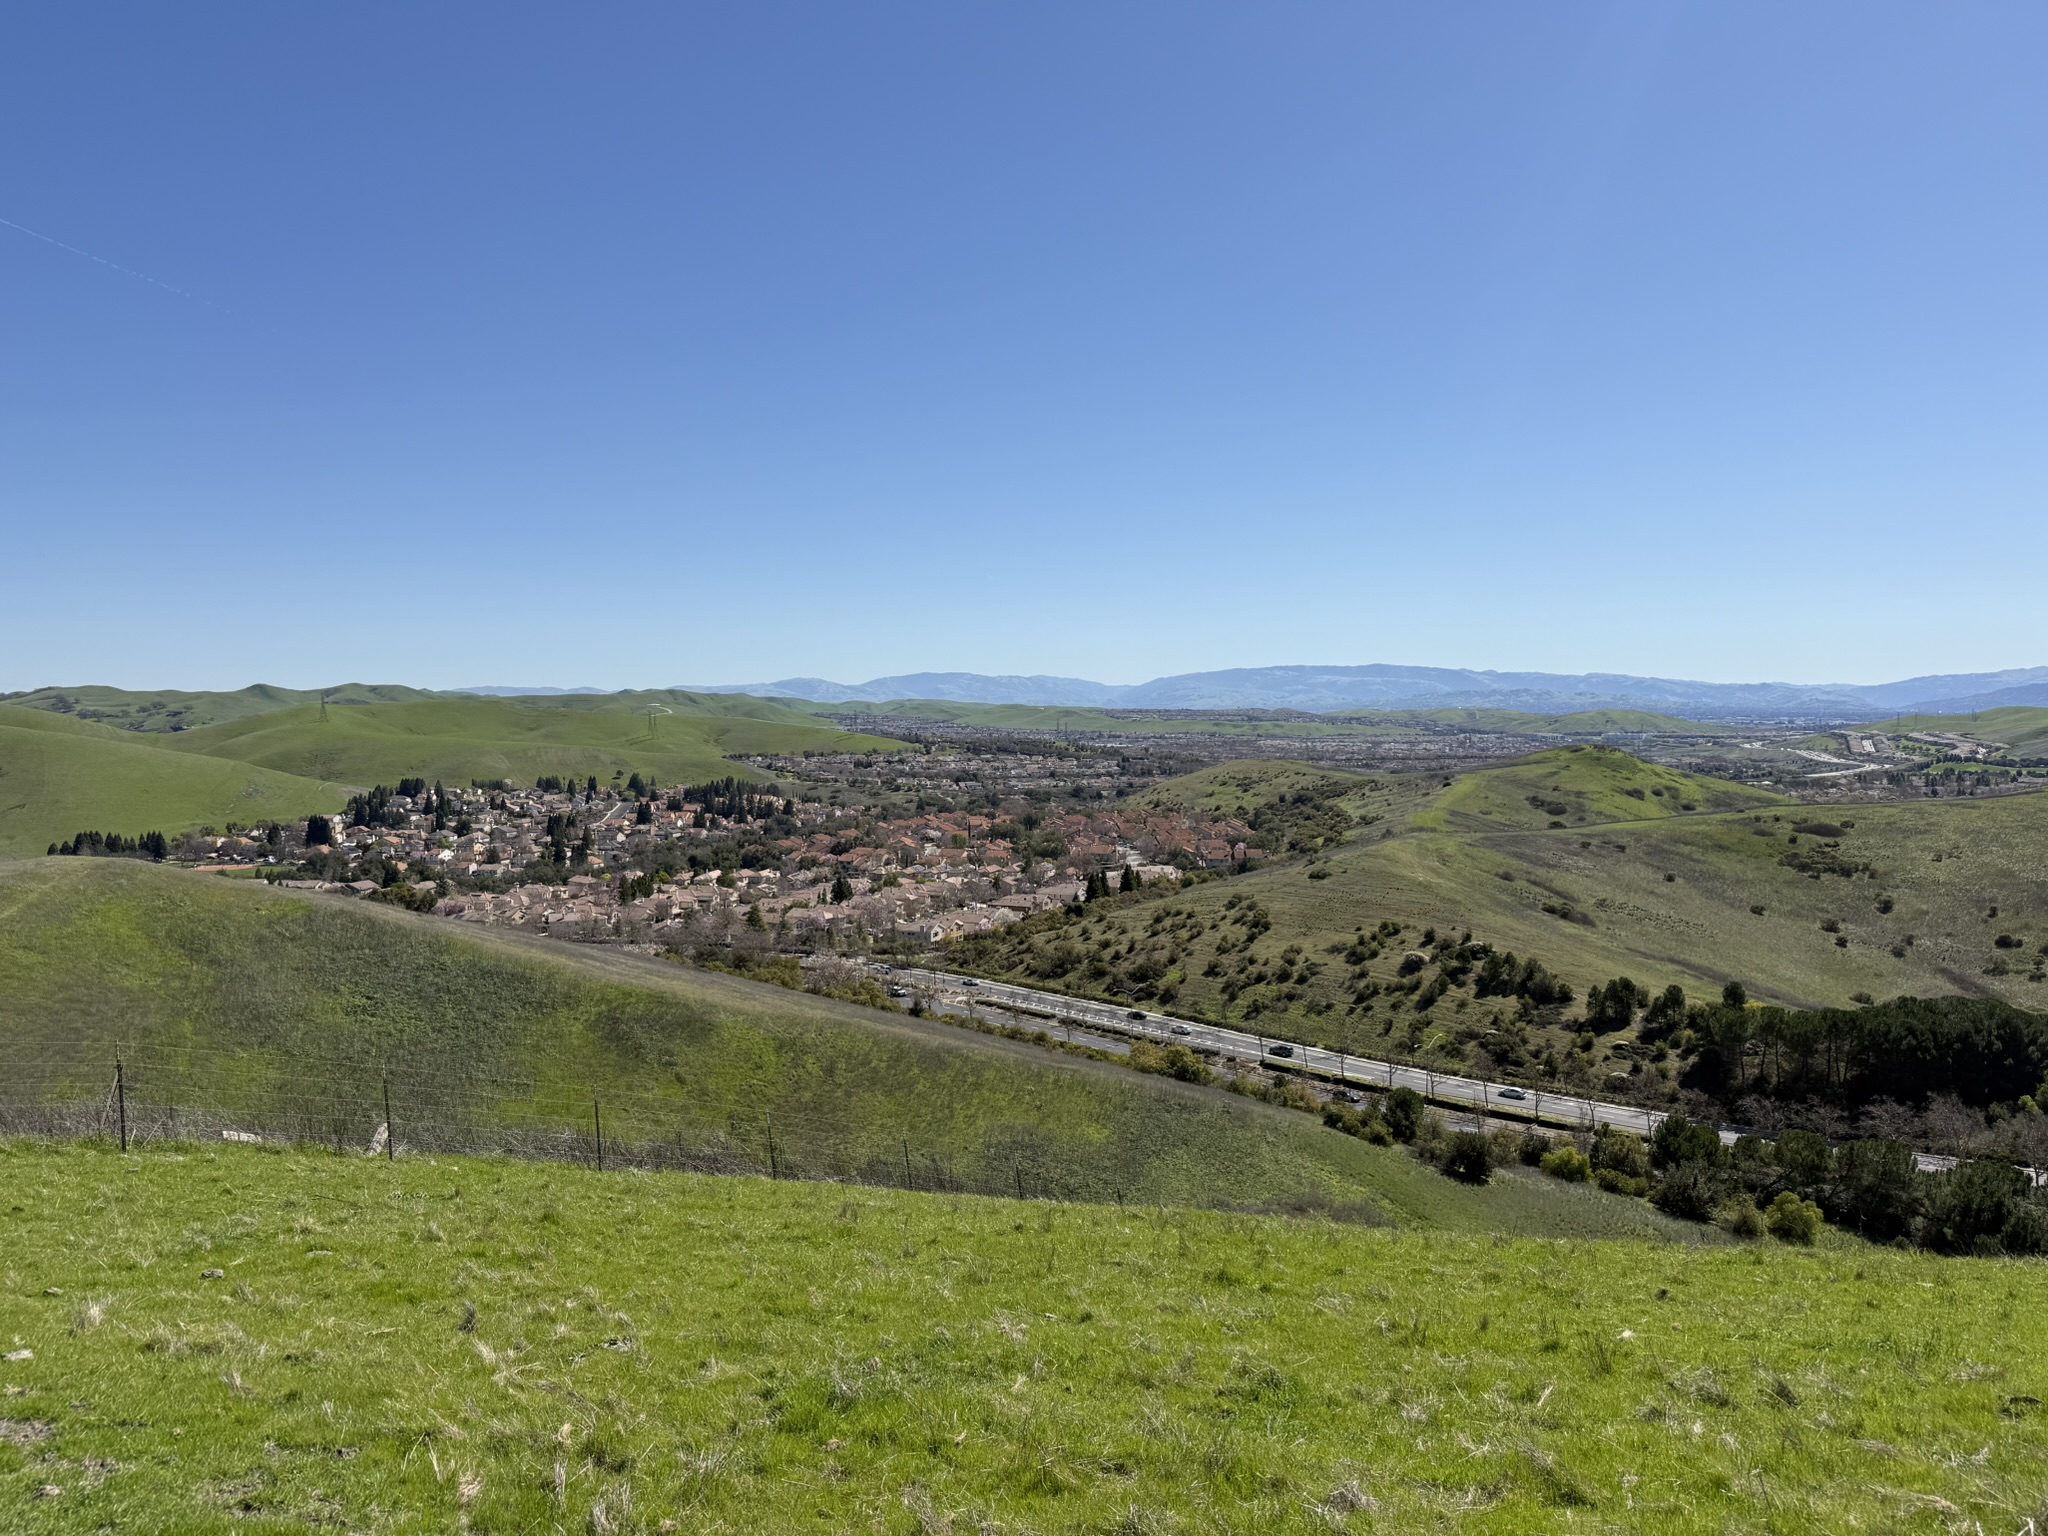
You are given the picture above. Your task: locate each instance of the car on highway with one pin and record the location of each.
(1182, 1029)
(1136, 1013)
(969, 981)
(1510, 1093)
(899, 991)
(1279, 1050)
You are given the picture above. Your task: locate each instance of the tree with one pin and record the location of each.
(1131, 880)
(1968, 1208)
(1680, 1141)
(1403, 1113)
(1735, 995)
(1469, 1158)
(1614, 1005)
(1803, 1157)
(1874, 1189)
(842, 889)
(1667, 1009)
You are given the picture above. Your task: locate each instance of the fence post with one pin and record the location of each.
(121, 1100)
(774, 1167)
(1018, 1169)
(906, 1164)
(597, 1119)
(390, 1130)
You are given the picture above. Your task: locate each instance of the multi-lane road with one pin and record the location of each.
(964, 993)
(1341, 1066)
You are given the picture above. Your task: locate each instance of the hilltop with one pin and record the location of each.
(520, 739)
(171, 709)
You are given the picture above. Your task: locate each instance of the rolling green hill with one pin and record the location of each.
(494, 1345)
(1577, 787)
(272, 1011)
(2024, 730)
(60, 776)
(520, 739)
(1922, 898)
(174, 710)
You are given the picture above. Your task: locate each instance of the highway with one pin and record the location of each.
(960, 994)
(1440, 1087)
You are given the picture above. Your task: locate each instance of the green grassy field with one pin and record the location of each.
(174, 709)
(229, 1339)
(519, 739)
(271, 756)
(1901, 902)
(281, 1013)
(60, 776)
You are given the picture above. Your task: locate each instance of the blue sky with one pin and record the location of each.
(667, 343)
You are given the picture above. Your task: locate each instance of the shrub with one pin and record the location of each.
(1738, 1214)
(1793, 1220)
(1403, 1111)
(1621, 1152)
(1534, 1145)
(1688, 1191)
(1567, 1163)
(1469, 1158)
(1620, 1183)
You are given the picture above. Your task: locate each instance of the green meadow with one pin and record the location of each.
(215, 1339)
(675, 737)
(107, 760)
(60, 776)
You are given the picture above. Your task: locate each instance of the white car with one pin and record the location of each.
(1510, 1093)
(1182, 1029)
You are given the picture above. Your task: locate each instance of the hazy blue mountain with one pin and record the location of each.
(1379, 686)
(509, 691)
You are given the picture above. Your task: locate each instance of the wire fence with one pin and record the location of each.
(140, 1096)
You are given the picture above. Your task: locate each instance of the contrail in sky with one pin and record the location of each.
(88, 255)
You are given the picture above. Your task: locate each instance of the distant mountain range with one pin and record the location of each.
(1324, 690)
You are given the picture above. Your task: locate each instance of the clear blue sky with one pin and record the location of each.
(664, 343)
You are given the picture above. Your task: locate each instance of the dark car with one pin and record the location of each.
(970, 982)
(1137, 1014)
(1279, 1050)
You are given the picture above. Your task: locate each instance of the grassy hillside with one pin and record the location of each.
(501, 1346)
(2024, 730)
(1924, 898)
(1577, 787)
(60, 775)
(171, 709)
(270, 1011)
(519, 739)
